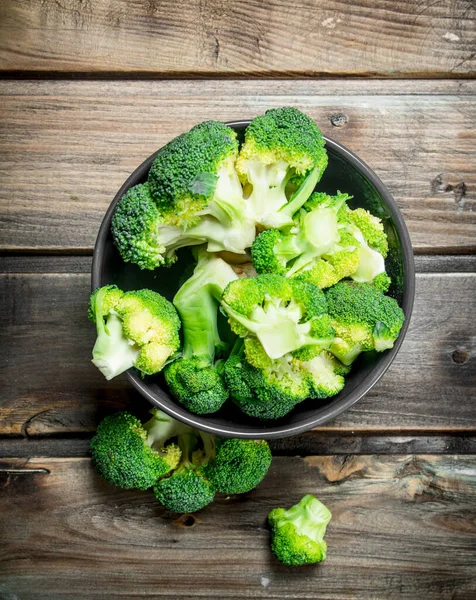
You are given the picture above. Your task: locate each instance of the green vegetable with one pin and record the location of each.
(195, 186)
(363, 318)
(239, 465)
(273, 391)
(283, 146)
(138, 328)
(297, 534)
(277, 316)
(195, 378)
(131, 455)
(187, 489)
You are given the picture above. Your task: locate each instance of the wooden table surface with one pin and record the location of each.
(91, 88)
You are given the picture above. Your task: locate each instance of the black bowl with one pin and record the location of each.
(347, 173)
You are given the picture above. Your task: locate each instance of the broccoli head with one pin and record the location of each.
(195, 378)
(131, 455)
(363, 318)
(138, 328)
(297, 534)
(187, 489)
(277, 316)
(239, 465)
(195, 186)
(316, 249)
(273, 391)
(282, 146)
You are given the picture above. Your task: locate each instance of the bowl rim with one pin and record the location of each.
(266, 430)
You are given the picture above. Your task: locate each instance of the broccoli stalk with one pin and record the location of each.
(137, 328)
(297, 534)
(131, 455)
(195, 378)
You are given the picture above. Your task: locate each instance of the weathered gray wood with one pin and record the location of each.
(320, 441)
(313, 37)
(67, 146)
(50, 386)
(403, 527)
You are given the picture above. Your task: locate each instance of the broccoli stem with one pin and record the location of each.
(197, 302)
(161, 427)
(113, 353)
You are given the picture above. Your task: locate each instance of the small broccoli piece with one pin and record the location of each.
(297, 534)
(131, 455)
(324, 374)
(282, 146)
(382, 282)
(267, 393)
(239, 465)
(363, 318)
(195, 378)
(137, 329)
(195, 186)
(187, 489)
(316, 249)
(277, 316)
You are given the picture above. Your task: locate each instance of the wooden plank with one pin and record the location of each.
(66, 147)
(403, 527)
(321, 441)
(49, 385)
(262, 38)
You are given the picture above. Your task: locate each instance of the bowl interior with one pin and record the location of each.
(346, 173)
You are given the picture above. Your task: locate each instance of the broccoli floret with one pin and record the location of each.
(382, 282)
(137, 329)
(276, 316)
(316, 248)
(195, 187)
(187, 489)
(131, 455)
(239, 465)
(282, 145)
(297, 534)
(363, 318)
(195, 378)
(323, 373)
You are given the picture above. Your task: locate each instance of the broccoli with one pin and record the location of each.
(273, 391)
(195, 378)
(131, 455)
(363, 318)
(138, 328)
(297, 534)
(239, 465)
(143, 236)
(187, 489)
(277, 316)
(315, 249)
(195, 186)
(282, 146)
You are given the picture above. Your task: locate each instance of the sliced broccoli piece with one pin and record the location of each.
(276, 316)
(363, 318)
(281, 146)
(239, 465)
(187, 489)
(297, 534)
(131, 455)
(137, 329)
(195, 186)
(195, 378)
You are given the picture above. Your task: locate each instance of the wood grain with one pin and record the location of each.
(66, 147)
(274, 38)
(403, 527)
(50, 386)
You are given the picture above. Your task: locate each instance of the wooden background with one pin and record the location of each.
(91, 88)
